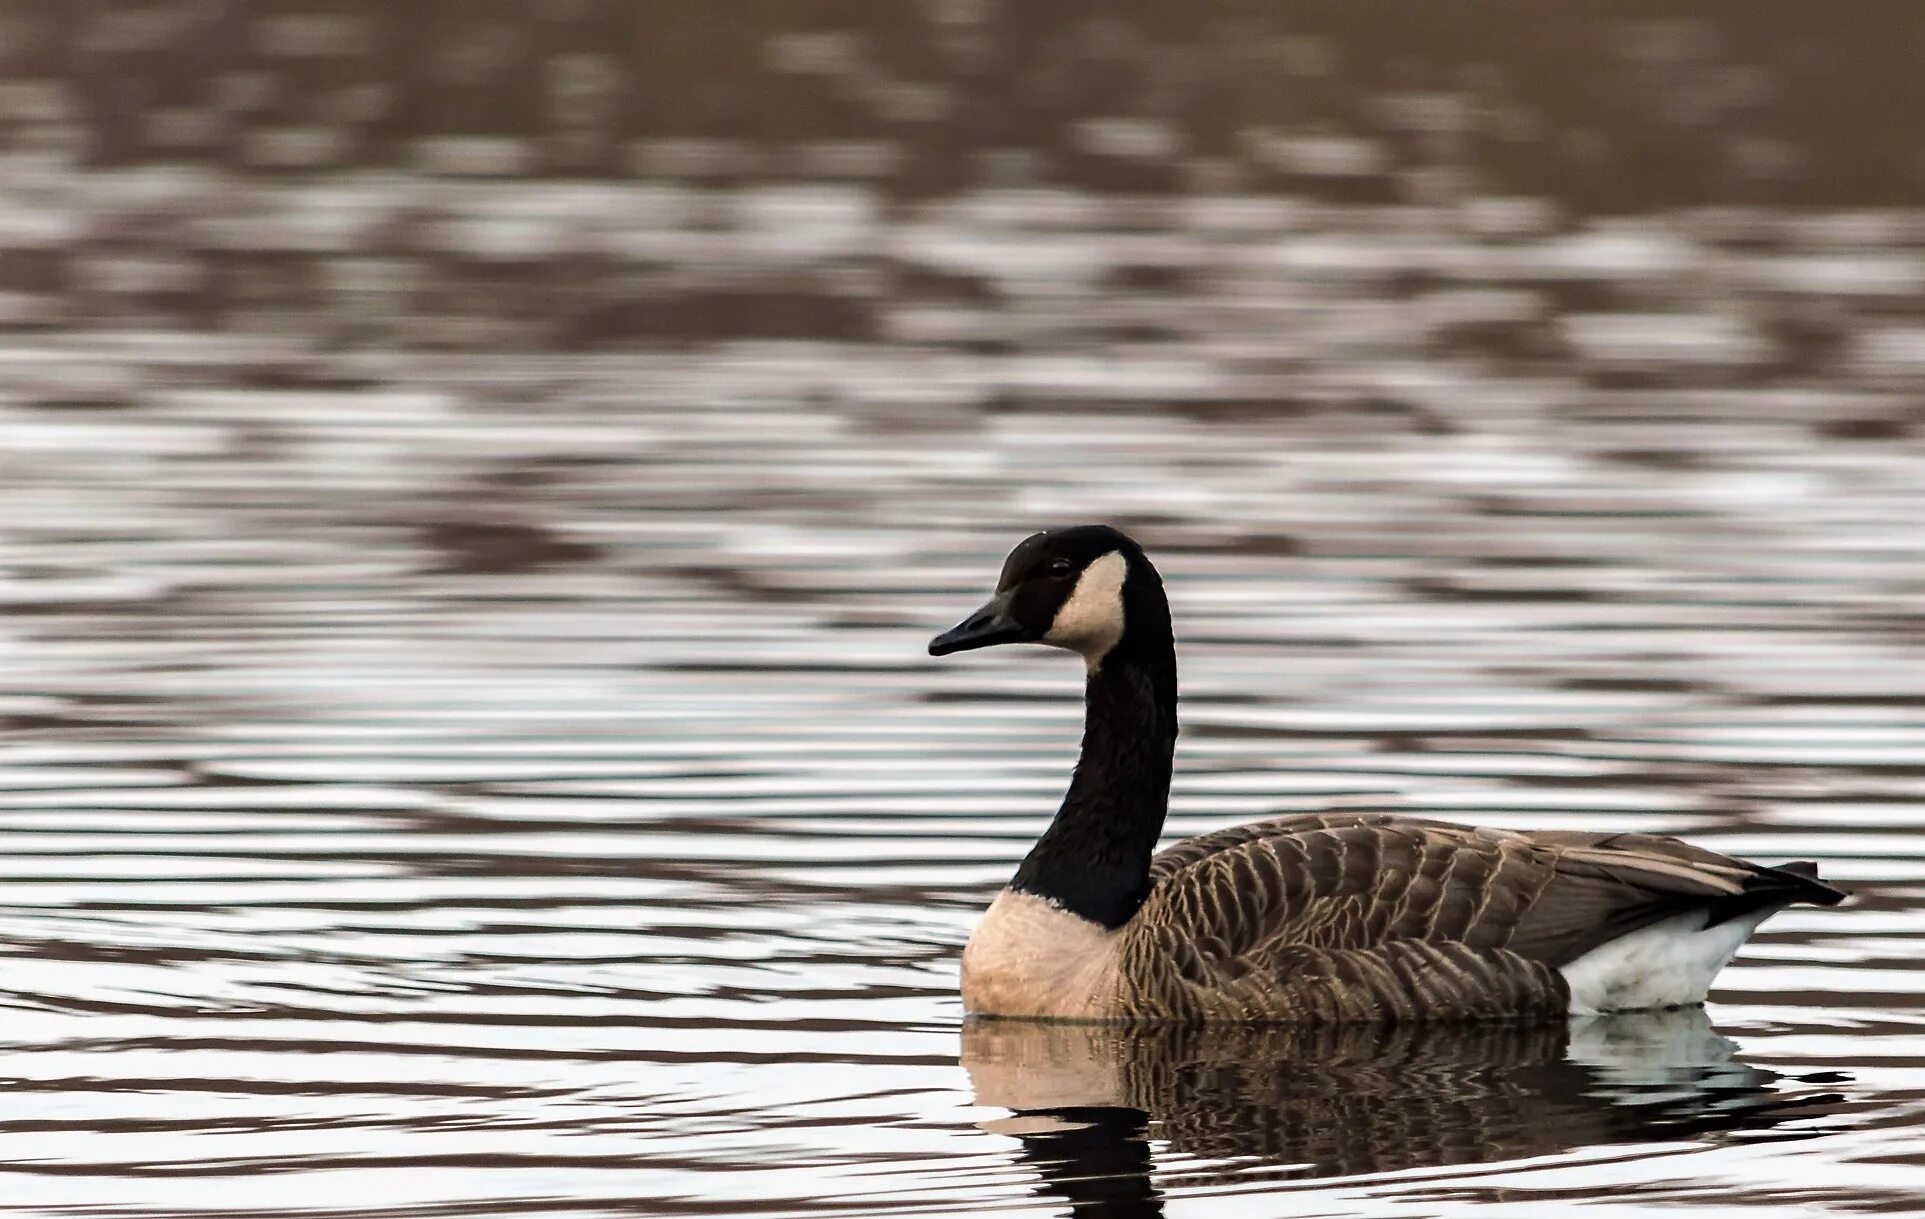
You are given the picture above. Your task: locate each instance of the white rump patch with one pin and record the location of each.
(1668, 964)
(1091, 621)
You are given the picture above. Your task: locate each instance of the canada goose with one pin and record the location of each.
(1318, 917)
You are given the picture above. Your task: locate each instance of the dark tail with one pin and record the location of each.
(1803, 879)
(1786, 884)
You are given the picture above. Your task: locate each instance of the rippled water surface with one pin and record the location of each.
(466, 741)
(423, 802)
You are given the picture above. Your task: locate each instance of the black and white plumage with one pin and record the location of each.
(1324, 917)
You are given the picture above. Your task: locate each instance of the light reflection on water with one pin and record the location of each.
(1237, 1106)
(446, 778)
(350, 873)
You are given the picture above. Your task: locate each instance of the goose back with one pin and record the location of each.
(1368, 916)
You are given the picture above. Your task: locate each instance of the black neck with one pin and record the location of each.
(1094, 860)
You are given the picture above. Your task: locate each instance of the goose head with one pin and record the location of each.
(1083, 589)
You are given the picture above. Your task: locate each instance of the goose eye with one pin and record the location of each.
(1058, 568)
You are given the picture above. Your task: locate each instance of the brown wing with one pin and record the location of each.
(1367, 915)
(1609, 884)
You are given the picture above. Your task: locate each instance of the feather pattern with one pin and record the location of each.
(1338, 917)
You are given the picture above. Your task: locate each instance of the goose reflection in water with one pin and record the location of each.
(1347, 1100)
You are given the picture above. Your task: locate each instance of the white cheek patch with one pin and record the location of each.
(1091, 621)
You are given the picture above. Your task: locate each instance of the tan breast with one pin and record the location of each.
(1031, 958)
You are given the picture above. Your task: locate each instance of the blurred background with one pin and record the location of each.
(476, 480)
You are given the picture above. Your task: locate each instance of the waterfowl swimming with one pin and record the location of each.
(1318, 917)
